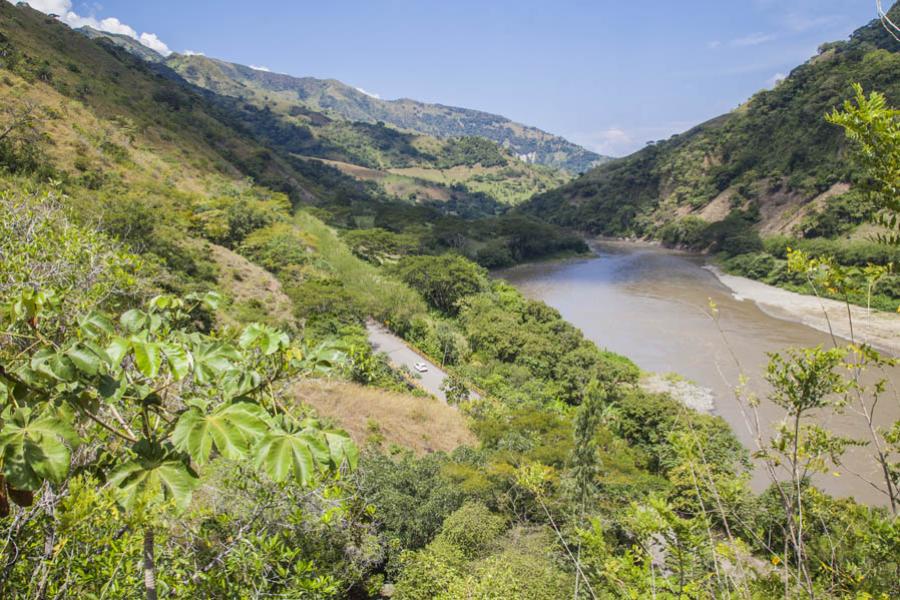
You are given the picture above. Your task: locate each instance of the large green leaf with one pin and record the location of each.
(341, 449)
(54, 364)
(282, 455)
(267, 339)
(178, 358)
(142, 482)
(95, 325)
(36, 446)
(232, 428)
(134, 320)
(211, 359)
(84, 359)
(117, 350)
(147, 356)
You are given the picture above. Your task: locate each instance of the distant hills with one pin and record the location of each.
(774, 162)
(529, 144)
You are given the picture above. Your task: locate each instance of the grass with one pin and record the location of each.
(255, 293)
(378, 294)
(511, 184)
(371, 415)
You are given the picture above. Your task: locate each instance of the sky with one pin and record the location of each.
(608, 75)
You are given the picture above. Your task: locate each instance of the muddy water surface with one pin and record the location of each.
(652, 305)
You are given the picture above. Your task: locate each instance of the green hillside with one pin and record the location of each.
(772, 169)
(775, 154)
(284, 122)
(528, 143)
(195, 133)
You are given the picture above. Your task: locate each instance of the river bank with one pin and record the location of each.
(876, 328)
(652, 305)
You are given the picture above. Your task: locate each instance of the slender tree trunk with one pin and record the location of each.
(149, 565)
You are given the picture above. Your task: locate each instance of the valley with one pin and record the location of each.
(272, 336)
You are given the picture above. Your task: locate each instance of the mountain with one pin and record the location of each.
(405, 164)
(528, 143)
(103, 119)
(774, 162)
(125, 42)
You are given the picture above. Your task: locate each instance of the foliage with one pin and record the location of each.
(412, 494)
(471, 151)
(41, 249)
(472, 529)
(157, 396)
(875, 129)
(444, 281)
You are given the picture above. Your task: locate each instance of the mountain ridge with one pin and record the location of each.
(772, 159)
(530, 144)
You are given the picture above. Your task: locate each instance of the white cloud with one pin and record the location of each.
(152, 41)
(192, 53)
(259, 68)
(713, 44)
(775, 79)
(113, 25)
(754, 39)
(63, 8)
(369, 94)
(614, 141)
(620, 141)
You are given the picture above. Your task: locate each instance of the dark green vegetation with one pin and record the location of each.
(773, 167)
(167, 276)
(405, 162)
(436, 120)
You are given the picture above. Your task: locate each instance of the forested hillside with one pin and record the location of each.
(407, 164)
(772, 169)
(190, 408)
(528, 143)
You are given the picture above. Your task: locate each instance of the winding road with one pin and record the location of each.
(401, 355)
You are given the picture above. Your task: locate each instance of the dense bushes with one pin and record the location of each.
(471, 151)
(442, 280)
(527, 352)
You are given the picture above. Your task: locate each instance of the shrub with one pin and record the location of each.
(756, 265)
(276, 247)
(687, 232)
(442, 280)
(472, 529)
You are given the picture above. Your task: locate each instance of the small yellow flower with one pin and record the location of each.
(776, 561)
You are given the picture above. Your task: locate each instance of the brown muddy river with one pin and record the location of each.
(652, 305)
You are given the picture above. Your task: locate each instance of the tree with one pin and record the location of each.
(455, 389)
(161, 399)
(442, 280)
(875, 130)
(20, 136)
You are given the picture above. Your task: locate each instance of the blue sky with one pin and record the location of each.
(608, 75)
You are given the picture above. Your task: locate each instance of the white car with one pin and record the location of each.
(421, 367)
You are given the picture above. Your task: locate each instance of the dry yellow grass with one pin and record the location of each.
(245, 282)
(421, 424)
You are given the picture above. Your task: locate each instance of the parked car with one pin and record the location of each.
(421, 367)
